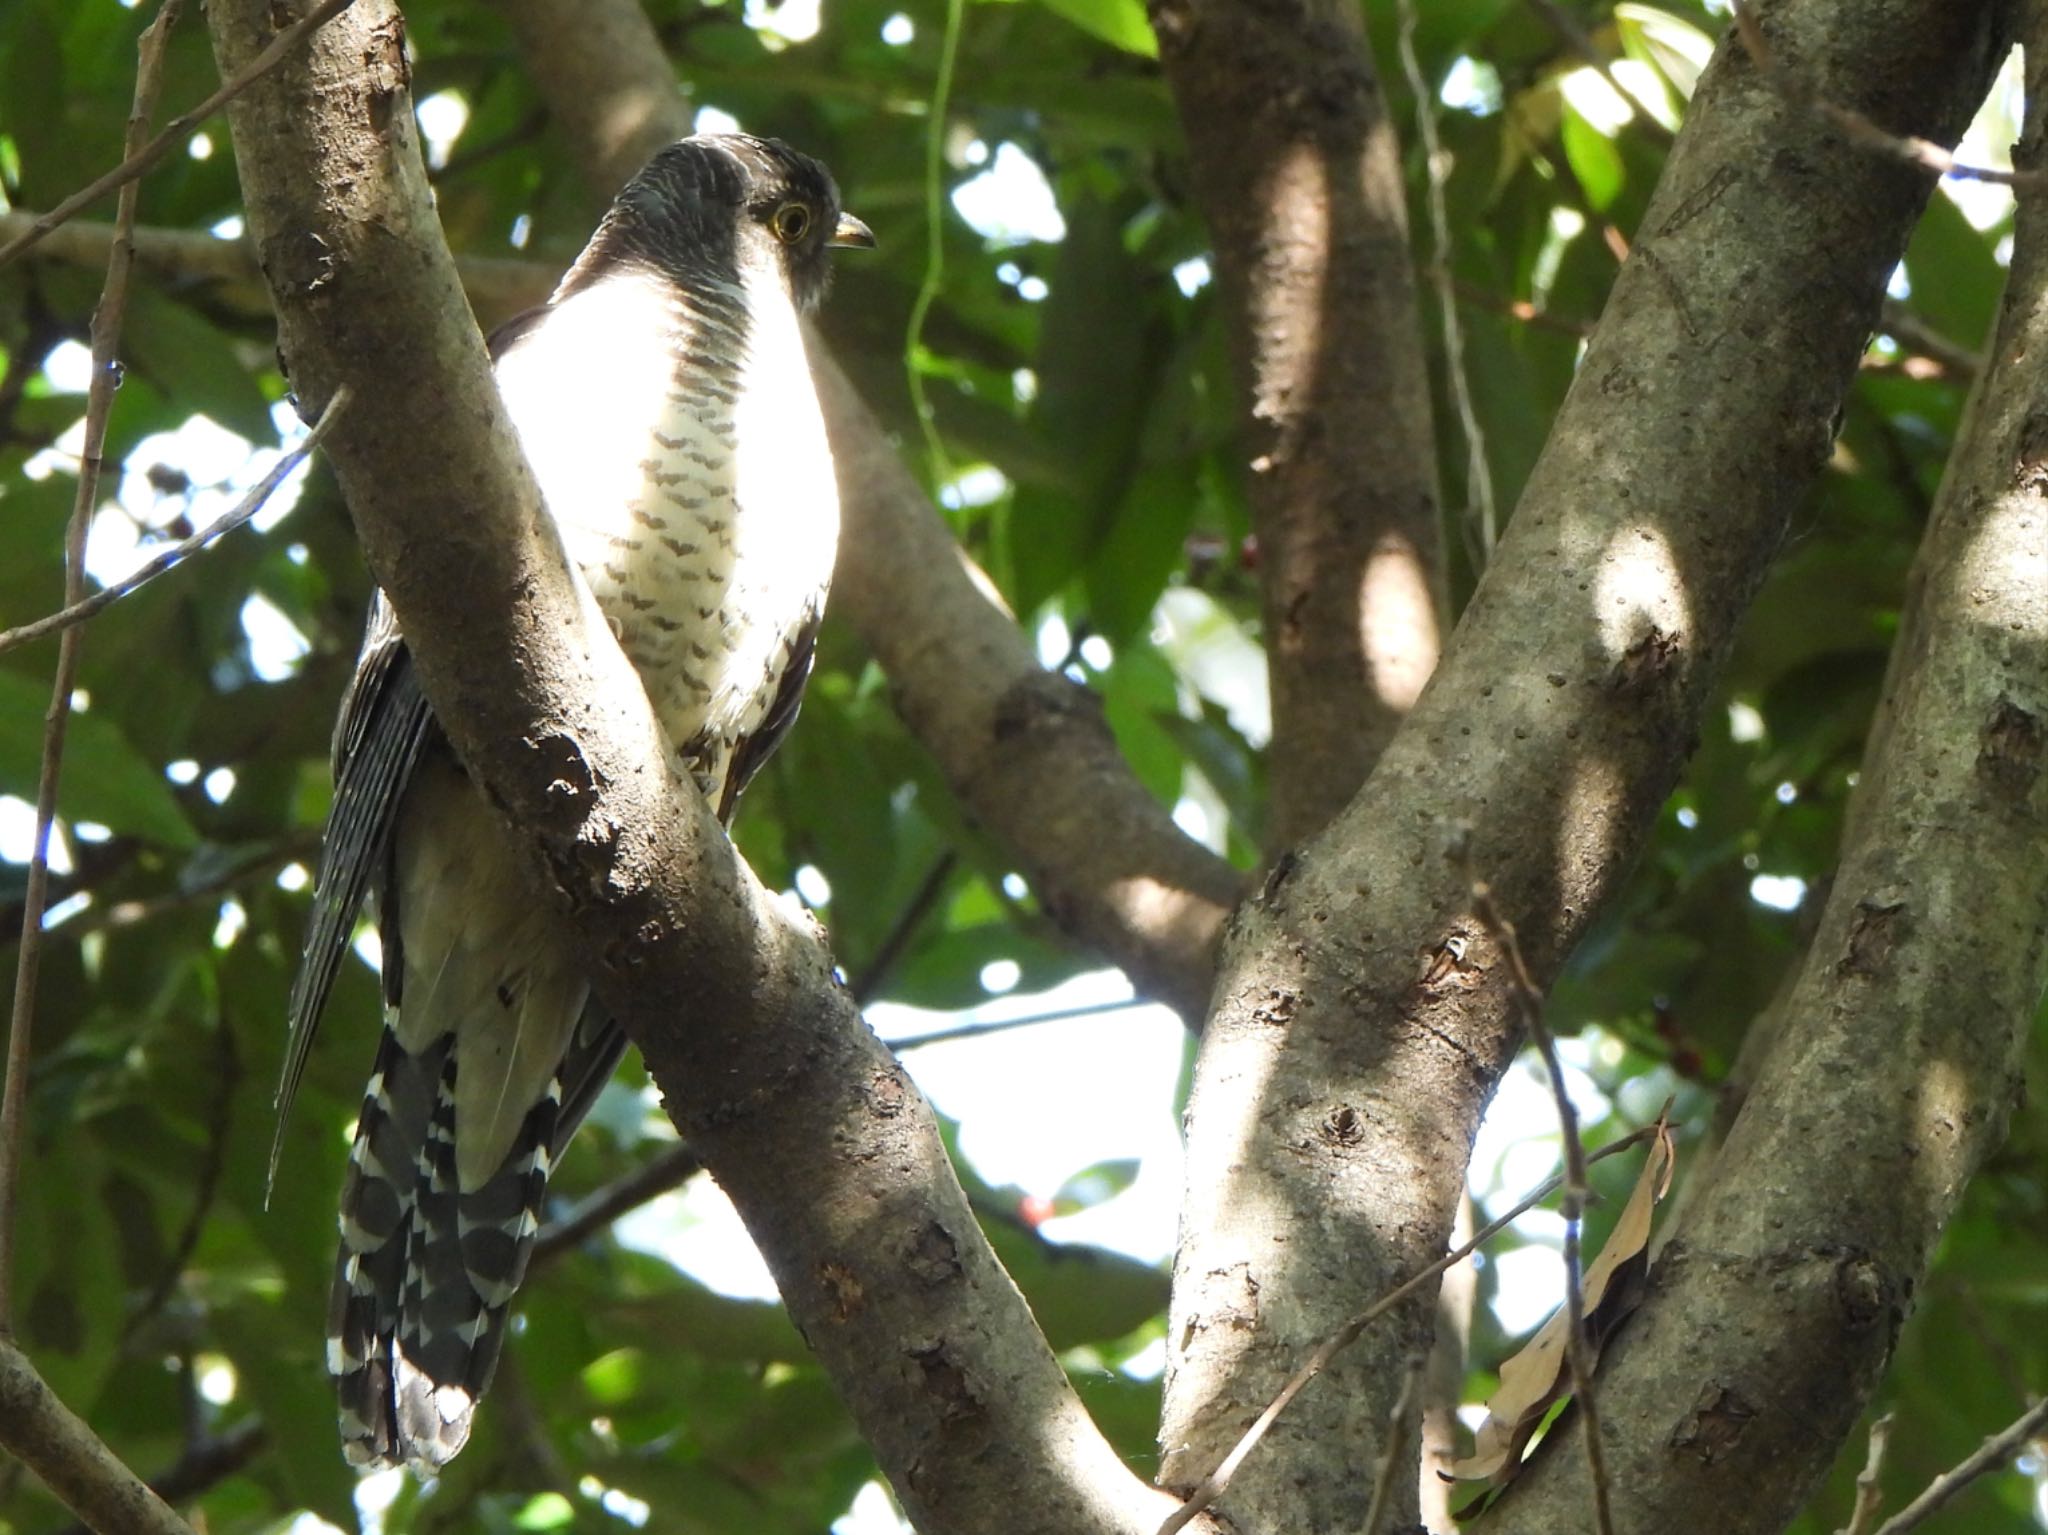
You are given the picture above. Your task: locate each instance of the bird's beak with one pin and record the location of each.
(852, 232)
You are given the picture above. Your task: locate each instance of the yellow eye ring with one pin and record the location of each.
(791, 223)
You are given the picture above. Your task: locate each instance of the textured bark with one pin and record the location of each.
(1362, 1016)
(1026, 751)
(1298, 173)
(1899, 1055)
(826, 1147)
(68, 1457)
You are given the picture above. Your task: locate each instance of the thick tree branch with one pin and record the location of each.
(1298, 173)
(55, 1443)
(1899, 1055)
(1028, 752)
(498, 287)
(1362, 1017)
(825, 1146)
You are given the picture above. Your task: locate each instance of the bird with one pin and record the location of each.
(663, 398)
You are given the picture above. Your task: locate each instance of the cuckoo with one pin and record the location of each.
(664, 401)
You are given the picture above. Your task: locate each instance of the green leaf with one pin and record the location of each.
(1120, 23)
(104, 778)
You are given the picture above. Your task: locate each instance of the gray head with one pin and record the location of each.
(705, 205)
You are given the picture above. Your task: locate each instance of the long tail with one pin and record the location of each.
(426, 1272)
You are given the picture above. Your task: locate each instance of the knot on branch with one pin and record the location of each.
(2010, 750)
(1046, 701)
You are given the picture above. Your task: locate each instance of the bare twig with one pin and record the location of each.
(670, 1168)
(1868, 1494)
(99, 401)
(137, 158)
(247, 507)
(897, 939)
(1217, 1482)
(1004, 1025)
(1916, 335)
(1397, 1441)
(1857, 128)
(1991, 1454)
(55, 1443)
(1482, 517)
(1529, 1003)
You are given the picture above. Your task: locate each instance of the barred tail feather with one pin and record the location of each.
(426, 1271)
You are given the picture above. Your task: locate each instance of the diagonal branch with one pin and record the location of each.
(139, 157)
(828, 1150)
(1941, 895)
(79, 611)
(1353, 1046)
(55, 1443)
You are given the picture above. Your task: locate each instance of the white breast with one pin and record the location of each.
(706, 530)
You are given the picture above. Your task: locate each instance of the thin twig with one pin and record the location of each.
(935, 242)
(99, 401)
(1991, 1454)
(1004, 1025)
(247, 507)
(1860, 130)
(1529, 1003)
(897, 939)
(56, 1444)
(1397, 1440)
(670, 1168)
(1217, 1482)
(1916, 335)
(136, 159)
(1482, 517)
(1869, 1496)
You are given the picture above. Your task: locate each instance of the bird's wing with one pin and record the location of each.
(758, 745)
(384, 724)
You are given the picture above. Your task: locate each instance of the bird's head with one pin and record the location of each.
(710, 205)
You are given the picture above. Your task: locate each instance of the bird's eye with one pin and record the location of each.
(791, 223)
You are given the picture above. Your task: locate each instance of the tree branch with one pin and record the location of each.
(1298, 174)
(498, 287)
(826, 1147)
(55, 1443)
(1028, 751)
(1355, 1039)
(252, 503)
(1883, 1091)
